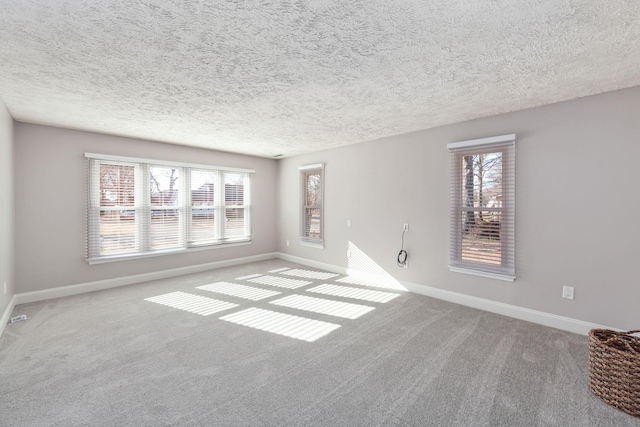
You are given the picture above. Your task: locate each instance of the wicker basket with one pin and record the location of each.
(614, 368)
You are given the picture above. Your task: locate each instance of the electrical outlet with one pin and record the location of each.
(348, 223)
(567, 292)
(287, 243)
(18, 318)
(405, 227)
(406, 264)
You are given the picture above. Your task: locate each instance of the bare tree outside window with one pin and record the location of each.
(311, 221)
(482, 201)
(312, 205)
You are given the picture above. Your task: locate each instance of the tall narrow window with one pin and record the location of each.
(312, 215)
(139, 207)
(204, 228)
(236, 198)
(482, 201)
(166, 218)
(113, 213)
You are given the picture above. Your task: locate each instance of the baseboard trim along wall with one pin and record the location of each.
(522, 313)
(7, 314)
(534, 316)
(65, 291)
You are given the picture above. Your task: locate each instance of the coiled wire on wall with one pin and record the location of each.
(402, 255)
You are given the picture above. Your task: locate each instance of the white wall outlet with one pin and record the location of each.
(406, 264)
(348, 254)
(567, 292)
(348, 223)
(19, 318)
(405, 227)
(287, 243)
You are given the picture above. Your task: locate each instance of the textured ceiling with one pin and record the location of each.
(289, 77)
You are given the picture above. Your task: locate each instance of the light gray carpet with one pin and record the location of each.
(113, 358)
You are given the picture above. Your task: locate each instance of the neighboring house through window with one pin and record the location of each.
(312, 212)
(482, 202)
(140, 207)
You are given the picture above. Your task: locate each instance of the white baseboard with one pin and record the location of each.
(7, 314)
(539, 317)
(522, 313)
(311, 263)
(65, 291)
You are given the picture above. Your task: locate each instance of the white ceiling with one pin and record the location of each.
(289, 77)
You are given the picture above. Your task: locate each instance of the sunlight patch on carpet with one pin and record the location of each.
(280, 282)
(309, 274)
(240, 291)
(356, 293)
(369, 282)
(282, 324)
(323, 306)
(250, 276)
(192, 303)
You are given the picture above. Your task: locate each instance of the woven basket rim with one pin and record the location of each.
(631, 346)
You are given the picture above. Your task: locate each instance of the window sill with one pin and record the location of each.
(481, 273)
(317, 245)
(127, 257)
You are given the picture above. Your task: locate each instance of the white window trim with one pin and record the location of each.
(153, 162)
(505, 277)
(304, 240)
(142, 170)
(497, 141)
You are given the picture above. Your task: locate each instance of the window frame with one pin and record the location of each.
(143, 205)
(304, 238)
(505, 145)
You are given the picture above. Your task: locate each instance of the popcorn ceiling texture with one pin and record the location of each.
(289, 77)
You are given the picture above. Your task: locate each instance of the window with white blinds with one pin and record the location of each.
(312, 212)
(140, 207)
(482, 207)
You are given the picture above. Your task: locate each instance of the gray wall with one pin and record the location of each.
(50, 197)
(6, 207)
(576, 213)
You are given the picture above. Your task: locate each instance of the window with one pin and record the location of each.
(312, 221)
(142, 207)
(482, 202)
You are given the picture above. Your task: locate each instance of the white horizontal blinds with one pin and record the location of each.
(112, 209)
(204, 228)
(482, 215)
(236, 210)
(166, 210)
(137, 209)
(312, 196)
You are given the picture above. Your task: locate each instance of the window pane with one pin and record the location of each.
(233, 189)
(314, 189)
(482, 180)
(117, 232)
(165, 228)
(164, 186)
(481, 238)
(482, 192)
(202, 188)
(117, 185)
(312, 222)
(234, 225)
(203, 227)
